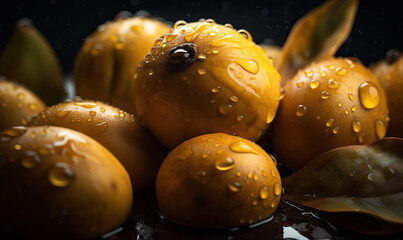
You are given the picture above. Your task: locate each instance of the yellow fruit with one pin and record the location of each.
(108, 58)
(218, 181)
(328, 104)
(17, 104)
(118, 131)
(57, 183)
(390, 76)
(203, 77)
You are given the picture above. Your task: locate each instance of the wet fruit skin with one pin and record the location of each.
(328, 104)
(109, 56)
(202, 78)
(390, 76)
(17, 104)
(139, 152)
(57, 183)
(218, 181)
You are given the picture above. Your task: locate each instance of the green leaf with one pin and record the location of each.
(364, 182)
(30, 60)
(316, 36)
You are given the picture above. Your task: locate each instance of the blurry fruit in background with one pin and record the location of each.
(108, 58)
(17, 104)
(29, 59)
(389, 72)
(328, 104)
(204, 77)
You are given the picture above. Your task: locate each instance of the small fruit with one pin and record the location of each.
(218, 181)
(204, 77)
(17, 104)
(119, 132)
(390, 75)
(328, 104)
(106, 61)
(57, 183)
(29, 59)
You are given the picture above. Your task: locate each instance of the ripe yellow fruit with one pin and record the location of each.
(328, 104)
(218, 181)
(203, 77)
(108, 58)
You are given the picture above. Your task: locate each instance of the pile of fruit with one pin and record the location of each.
(200, 113)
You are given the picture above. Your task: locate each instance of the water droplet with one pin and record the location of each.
(241, 147)
(277, 189)
(61, 175)
(351, 96)
(215, 51)
(228, 25)
(240, 75)
(333, 84)
(388, 172)
(264, 173)
(86, 104)
(15, 131)
(273, 172)
(234, 187)
(249, 65)
(225, 109)
(179, 23)
(300, 83)
(239, 118)
(21, 96)
(30, 160)
(151, 72)
(387, 118)
(121, 114)
(32, 107)
(264, 192)
(380, 129)
(254, 203)
(335, 130)
(356, 126)
(282, 94)
(361, 137)
(314, 84)
(331, 67)
(201, 56)
(273, 203)
(212, 34)
(325, 95)
(63, 113)
(346, 112)
(255, 177)
(201, 71)
(224, 164)
(273, 159)
(93, 113)
(354, 108)
(330, 122)
(246, 34)
(309, 73)
(339, 104)
(249, 175)
(341, 71)
(370, 95)
(323, 74)
(301, 110)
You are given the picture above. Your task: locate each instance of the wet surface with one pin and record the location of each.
(290, 221)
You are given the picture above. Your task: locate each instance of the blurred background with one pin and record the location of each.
(66, 23)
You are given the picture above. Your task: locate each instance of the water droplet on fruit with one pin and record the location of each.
(314, 84)
(225, 109)
(201, 71)
(224, 164)
(264, 192)
(179, 23)
(15, 131)
(61, 175)
(249, 65)
(202, 56)
(63, 113)
(309, 73)
(361, 137)
(335, 130)
(300, 83)
(370, 95)
(234, 187)
(380, 129)
(277, 189)
(301, 110)
(330, 122)
(86, 104)
(356, 126)
(325, 95)
(333, 84)
(351, 96)
(341, 71)
(354, 108)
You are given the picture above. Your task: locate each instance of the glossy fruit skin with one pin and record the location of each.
(390, 76)
(17, 104)
(92, 195)
(138, 151)
(329, 92)
(230, 86)
(109, 56)
(195, 190)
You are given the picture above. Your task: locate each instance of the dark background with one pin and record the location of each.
(377, 28)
